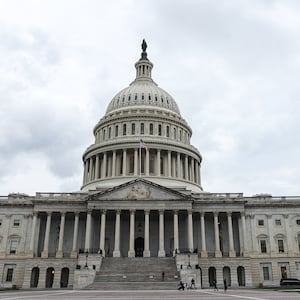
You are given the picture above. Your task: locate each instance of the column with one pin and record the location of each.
(192, 169)
(186, 167)
(178, 166)
(90, 169)
(102, 232)
(131, 252)
(176, 235)
(169, 164)
(113, 168)
(87, 244)
(161, 251)
(217, 238)
(230, 235)
(32, 239)
(97, 167)
(273, 248)
(47, 235)
(124, 168)
(104, 165)
(116, 252)
(146, 252)
(75, 236)
(59, 253)
(289, 241)
(147, 162)
(203, 238)
(85, 175)
(190, 231)
(244, 241)
(173, 167)
(158, 162)
(136, 162)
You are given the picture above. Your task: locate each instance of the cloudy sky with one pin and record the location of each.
(232, 66)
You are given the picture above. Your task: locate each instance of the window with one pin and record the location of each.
(159, 129)
(133, 128)
(109, 132)
(263, 246)
(135, 97)
(0, 222)
(129, 97)
(266, 273)
(298, 221)
(180, 135)
(151, 129)
(280, 246)
(143, 97)
(278, 222)
(116, 130)
(13, 246)
(124, 129)
(17, 222)
(261, 222)
(9, 274)
(142, 128)
(168, 131)
(175, 134)
(104, 134)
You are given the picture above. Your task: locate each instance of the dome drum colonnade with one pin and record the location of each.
(143, 110)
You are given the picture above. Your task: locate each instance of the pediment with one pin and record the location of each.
(139, 189)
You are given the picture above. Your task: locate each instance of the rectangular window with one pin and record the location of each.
(280, 246)
(263, 246)
(180, 135)
(9, 274)
(124, 129)
(133, 128)
(142, 128)
(168, 131)
(266, 273)
(261, 222)
(17, 222)
(278, 222)
(151, 129)
(13, 246)
(103, 134)
(109, 132)
(175, 137)
(0, 222)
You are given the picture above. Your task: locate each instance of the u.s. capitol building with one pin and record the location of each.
(142, 215)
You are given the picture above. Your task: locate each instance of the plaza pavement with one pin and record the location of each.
(206, 294)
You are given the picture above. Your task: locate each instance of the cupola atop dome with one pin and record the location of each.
(143, 91)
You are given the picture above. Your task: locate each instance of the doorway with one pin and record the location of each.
(35, 273)
(49, 277)
(64, 278)
(139, 247)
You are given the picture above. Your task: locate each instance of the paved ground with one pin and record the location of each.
(150, 295)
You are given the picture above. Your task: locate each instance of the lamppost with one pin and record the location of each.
(86, 259)
(189, 265)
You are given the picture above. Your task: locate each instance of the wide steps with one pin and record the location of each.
(136, 273)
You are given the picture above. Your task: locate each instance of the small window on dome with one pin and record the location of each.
(135, 97)
(133, 128)
(151, 129)
(162, 100)
(159, 129)
(142, 128)
(129, 98)
(167, 100)
(298, 221)
(124, 129)
(167, 131)
(156, 98)
(109, 132)
(149, 97)
(123, 99)
(143, 98)
(116, 130)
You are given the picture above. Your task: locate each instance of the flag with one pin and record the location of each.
(143, 145)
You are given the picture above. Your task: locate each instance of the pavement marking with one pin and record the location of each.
(39, 295)
(234, 296)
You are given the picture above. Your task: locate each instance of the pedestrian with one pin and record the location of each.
(215, 285)
(163, 276)
(193, 283)
(181, 285)
(225, 285)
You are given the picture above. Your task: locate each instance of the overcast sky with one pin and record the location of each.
(232, 66)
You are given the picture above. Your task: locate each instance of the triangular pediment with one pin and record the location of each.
(138, 189)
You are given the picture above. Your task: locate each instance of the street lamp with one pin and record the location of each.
(86, 259)
(189, 265)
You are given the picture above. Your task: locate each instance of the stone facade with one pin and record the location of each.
(142, 197)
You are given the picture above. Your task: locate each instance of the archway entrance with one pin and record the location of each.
(227, 275)
(64, 278)
(35, 273)
(49, 277)
(212, 276)
(241, 276)
(139, 246)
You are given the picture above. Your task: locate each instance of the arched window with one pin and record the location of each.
(124, 129)
(116, 130)
(133, 128)
(159, 129)
(142, 128)
(168, 131)
(151, 128)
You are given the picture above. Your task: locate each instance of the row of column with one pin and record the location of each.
(131, 251)
(106, 165)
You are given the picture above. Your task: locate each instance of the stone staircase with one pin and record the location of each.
(136, 274)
